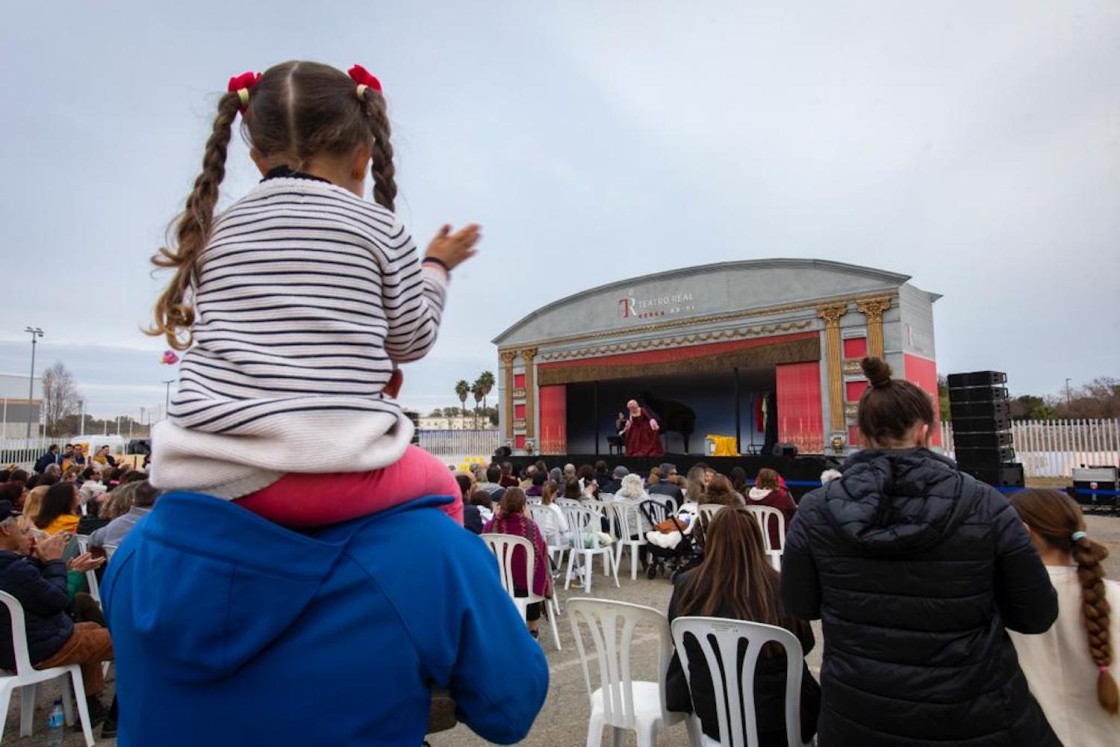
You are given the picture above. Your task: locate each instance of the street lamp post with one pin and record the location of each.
(35, 333)
(167, 395)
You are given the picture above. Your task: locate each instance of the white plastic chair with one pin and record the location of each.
(708, 511)
(735, 694)
(503, 546)
(28, 677)
(621, 702)
(582, 520)
(627, 520)
(91, 576)
(541, 513)
(765, 515)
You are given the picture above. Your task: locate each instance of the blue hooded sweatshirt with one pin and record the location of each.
(231, 630)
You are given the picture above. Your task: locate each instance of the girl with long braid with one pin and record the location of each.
(295, 307)
(1071, 668)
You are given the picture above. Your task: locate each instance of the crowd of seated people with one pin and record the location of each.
(67, 493)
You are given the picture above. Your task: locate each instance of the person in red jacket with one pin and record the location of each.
(768, 491)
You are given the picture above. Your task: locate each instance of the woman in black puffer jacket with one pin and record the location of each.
(916, 571)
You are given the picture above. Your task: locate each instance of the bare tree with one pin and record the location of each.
(60, 398)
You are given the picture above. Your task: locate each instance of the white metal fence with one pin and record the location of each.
(453, 443)
(1052, 448)
(23, 452)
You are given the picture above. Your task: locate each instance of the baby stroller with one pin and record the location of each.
(682, 555)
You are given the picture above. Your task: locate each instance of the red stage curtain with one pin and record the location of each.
(554, 419)
(800, 415)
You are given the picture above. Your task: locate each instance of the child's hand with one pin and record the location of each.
(454, 248)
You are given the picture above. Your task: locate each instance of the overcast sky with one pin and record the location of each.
(973, 145)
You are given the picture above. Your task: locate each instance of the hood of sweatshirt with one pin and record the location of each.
(227, 564)
(898, 501)
(757, 494)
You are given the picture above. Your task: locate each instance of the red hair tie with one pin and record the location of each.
(365, 79)
(242, 84)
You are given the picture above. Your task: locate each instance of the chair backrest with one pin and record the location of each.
(536, 511)
(504, 547)
(612, 626)
(561, 502)
(656, 511)
(581, 519)
(627, 520)
(765, 515)
(19, 632)
(719, 639)
(708, 510)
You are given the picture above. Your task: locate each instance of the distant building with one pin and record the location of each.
(456, 423)
(13, 406)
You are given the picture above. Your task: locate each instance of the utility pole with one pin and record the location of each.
(35, 333)
(1067, 393)
(167, 395)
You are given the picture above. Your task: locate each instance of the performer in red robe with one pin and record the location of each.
(642, 432)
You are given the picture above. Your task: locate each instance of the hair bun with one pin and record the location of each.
(877, 372)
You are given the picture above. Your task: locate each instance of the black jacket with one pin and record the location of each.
(916, 571)
(41, 589)
(45, 461)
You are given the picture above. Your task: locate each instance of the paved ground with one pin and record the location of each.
(563, 721)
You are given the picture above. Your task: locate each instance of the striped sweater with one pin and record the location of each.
(305, 297)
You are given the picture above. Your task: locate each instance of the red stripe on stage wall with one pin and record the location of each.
(519, 381)
(554, 419)
(855, 347)
(519, 441)
(519, 412)
(855, 390)
(673, 354)
(923, 372)
(800, 415)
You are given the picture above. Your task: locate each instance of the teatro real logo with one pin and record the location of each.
(632, 307)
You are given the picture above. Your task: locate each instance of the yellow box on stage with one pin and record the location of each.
(721, 445)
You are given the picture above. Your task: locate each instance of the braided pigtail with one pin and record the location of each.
(174, 314)
(382, 168)
(1095, 612)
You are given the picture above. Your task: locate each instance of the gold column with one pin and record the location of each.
(834, 359)
(507, 357)
(873, 309)
(528, 355)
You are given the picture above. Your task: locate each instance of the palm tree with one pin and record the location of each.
(486, 384)
(476, 390)
(462, 389)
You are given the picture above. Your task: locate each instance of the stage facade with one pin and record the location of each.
(758, 351)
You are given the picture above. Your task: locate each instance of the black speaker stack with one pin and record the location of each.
(981, 415)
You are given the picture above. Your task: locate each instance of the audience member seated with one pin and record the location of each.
(481, 500)
(1071, 668)
(51, 475)
(719, 491)
(128, 504)
(735, 581)
(695, 483)
(738, 477)
(507, 480)
(616, 480)
(572, 489)
(36, 575)
(666, 485)
(535, 490)
(513, 518)
(59, 512)
(32, 505)
(472, 517)
(552, 521)
(768, 491)
(602, 473)
(493, 482)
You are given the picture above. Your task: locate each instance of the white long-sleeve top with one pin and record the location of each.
(1060, 671)
(305, 297)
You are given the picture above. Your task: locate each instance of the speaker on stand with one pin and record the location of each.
(981, 417)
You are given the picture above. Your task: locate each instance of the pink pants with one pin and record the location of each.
(299, 499)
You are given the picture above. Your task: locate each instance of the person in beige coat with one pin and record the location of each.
(1071, 668)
